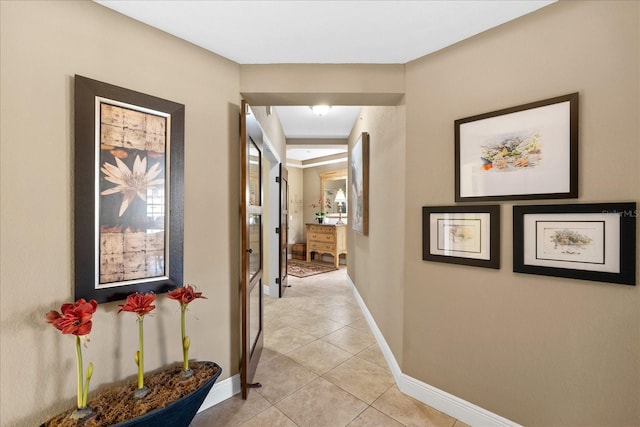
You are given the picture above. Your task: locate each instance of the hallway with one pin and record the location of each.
(321, 366)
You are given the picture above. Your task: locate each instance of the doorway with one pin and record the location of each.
(273, 232)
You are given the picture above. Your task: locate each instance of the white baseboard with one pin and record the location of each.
(451, 405)
(221, 391)
(382, 343)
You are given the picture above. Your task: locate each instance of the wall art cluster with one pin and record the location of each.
(529, 152)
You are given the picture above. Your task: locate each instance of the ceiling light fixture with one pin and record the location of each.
(320, 110)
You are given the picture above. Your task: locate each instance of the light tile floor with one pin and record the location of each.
(321, 366)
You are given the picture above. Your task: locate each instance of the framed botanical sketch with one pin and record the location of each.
(468, 235)
(582, 241)
(359, 180)
(128, 192)
(524, 152)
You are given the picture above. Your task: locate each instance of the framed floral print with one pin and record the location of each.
(128, 192)
(591, 241)
(468, 235)
(525, 152)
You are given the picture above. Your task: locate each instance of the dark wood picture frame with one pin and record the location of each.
(483, 221)
(525, 152)
(609, 228)
(92, 100)
(359, 185)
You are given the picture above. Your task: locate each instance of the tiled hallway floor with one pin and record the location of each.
(321, 366)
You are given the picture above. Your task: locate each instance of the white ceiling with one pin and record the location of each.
(329, 31)
(301, 122)
(306, 152)
(338, 31)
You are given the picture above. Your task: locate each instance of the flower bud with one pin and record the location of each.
(89, 371)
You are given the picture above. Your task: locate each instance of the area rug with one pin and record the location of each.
(299, 268)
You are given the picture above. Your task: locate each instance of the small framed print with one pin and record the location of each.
(468, 235)
(525, 152)
(582, 241)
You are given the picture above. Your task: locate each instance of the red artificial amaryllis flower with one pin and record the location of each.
(138, 303)
(185, 294)
(74, 318)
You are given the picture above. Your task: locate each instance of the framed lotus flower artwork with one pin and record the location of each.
(525, 152)
(128, 192)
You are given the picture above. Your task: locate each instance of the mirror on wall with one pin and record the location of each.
(333, 187)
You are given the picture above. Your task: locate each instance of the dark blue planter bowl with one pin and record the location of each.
(179, 413)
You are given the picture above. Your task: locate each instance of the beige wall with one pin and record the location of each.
(376, 261)
(310, 84)
(538, 350)
(296, 206)
(270, 124)
(43, 44)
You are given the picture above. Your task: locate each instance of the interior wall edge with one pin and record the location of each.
(447, 403)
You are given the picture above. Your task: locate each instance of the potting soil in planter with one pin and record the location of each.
(114, 405)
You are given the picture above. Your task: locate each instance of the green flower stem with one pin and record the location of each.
(185, 341)
(80, 379)
(141, 354)
(85, 392)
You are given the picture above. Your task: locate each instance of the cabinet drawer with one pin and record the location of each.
(321, 247)
(321, 237)
(320, 228)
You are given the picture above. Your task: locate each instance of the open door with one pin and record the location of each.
(283, 228)
(251, 298)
